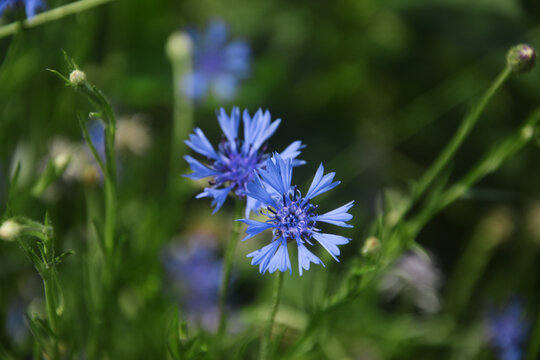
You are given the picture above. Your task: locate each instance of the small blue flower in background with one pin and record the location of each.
(236, 161)
(31, 6)
(292, 217)
(507, 330)
(194, 269)
(218, 64)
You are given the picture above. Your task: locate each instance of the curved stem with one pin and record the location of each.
(227, 267)
(265, 345)
(51, 15)
(461, 134)
(491, 162)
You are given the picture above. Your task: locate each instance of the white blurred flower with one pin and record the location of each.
(132, 135)
(415, 276)
(81, 166)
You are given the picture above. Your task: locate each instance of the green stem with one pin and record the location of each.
(265, 344)
(534, 347)
(110, 217)
(227, 267)
(179, 53)
(48, 284)
(51, 15)
(461, 134)
(491, 162)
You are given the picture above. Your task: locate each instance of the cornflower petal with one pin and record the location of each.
(199, 143)
(237, 54)
(263, 256)
(224, 86)
(292, 151)
(32, 7)
(321, 184)
(305, 257)
(266, 130)
(254, 227)
(219, 195)
(199, 170)
(252, 205)
(229, 125)
(330, 242)
(280, 261)
(256, 190)
(337, 216)
(278, 174)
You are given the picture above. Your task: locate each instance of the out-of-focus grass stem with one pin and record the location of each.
(265, 344)
(491, 162)
(51, 15)
(179, 49)
(227, 267)
(461, 134)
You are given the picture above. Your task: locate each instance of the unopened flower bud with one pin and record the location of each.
(521, 58)
(10, 230)
(60, 161)
(178, 46)
(371, 245)
(77, 77)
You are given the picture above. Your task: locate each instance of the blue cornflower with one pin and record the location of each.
(236, 161)
(31, 6)
(218, 64)
(292, 217)
(508, 330)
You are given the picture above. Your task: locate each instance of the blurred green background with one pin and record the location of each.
(374, 88)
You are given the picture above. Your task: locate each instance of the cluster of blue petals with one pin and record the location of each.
(292, 217)
(236, 161)
(508, 331)
(30, 6)
(218, 64)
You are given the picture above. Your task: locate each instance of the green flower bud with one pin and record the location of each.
(521, 58)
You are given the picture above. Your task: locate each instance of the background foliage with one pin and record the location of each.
(374, 88)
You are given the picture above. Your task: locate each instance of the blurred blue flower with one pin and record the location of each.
(195, 271)
(292, 217)
(15, 322)
(507, 330)
(236, 161)
(31, 6)
(218, 65)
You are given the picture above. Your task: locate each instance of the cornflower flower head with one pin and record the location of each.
(236, 161)
(30, 6)
(292, 217)
(218, 64)
(507, 330)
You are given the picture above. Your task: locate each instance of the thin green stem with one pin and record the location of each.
(51, 15)
(265, 344)
(534, 346)
(227, 267)
(179, 53)
(50, 300)
(491, 162)
(110, 216)
(461, 134)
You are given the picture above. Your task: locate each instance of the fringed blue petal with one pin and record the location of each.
(321, 184)
(330, 242)
(338, 216)
(219, 196)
